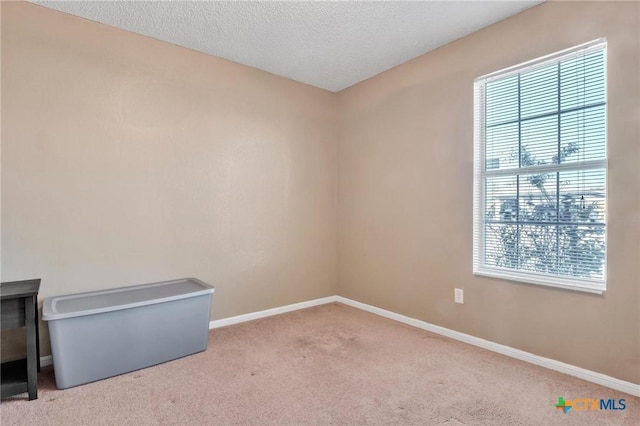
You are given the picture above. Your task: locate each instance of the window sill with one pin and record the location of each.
(531, 278)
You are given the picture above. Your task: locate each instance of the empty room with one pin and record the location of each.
(320, 212)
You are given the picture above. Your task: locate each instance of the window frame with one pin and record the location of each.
(480, 176)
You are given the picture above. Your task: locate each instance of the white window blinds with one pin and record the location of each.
(540, 171)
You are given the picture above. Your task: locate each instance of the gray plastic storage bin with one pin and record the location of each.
(105, 333)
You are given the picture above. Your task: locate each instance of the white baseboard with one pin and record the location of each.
(270, 312)
(581, 373)
(46, 360)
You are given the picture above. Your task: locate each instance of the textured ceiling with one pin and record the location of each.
(327, 44)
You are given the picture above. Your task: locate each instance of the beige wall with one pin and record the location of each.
(128, 160)
(405, 193)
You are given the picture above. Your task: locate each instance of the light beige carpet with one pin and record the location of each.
(328, 365)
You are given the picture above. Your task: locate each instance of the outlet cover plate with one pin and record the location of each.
(458, 295)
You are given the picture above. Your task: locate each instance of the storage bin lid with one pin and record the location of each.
(97, 302)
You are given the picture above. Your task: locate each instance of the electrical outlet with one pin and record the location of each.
(458, 295)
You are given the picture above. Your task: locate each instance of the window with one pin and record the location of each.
(540, 171)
